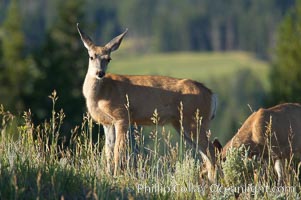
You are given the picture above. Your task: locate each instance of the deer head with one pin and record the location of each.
(99, 57)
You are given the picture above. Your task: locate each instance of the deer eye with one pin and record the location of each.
(93, 57)
(106, 58)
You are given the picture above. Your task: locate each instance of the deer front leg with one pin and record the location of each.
(109, 145)
(121, 128)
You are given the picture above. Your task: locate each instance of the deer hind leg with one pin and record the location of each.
(279, 170)
(121, 128)
(199, 141)
(207, 151)
(109, 145)
(198, 138)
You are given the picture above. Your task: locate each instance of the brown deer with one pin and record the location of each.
(106, 93)
(277, 128)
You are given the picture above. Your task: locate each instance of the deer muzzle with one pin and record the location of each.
(100, 74)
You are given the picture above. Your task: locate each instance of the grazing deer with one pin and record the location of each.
(277, 128)
(105, 96)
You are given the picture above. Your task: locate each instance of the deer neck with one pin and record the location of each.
(92, 84)
(92, 90)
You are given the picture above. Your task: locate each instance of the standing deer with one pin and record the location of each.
(105, 96)
(284, 141)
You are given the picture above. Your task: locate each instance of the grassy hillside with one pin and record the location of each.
(239, 79)
(35, 165)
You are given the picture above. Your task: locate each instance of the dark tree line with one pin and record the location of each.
(170, 25)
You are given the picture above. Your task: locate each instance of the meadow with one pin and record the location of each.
(37, 163)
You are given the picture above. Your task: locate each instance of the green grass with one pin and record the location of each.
(35, 165)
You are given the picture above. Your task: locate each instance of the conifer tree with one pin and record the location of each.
(62, 61)
(286, 71)
(17, 69)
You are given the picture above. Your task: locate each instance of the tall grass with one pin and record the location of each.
(35, 164)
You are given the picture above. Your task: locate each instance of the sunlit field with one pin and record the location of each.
(34, 164)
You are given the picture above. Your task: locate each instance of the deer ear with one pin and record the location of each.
(217, 145)
(85, 38)
(114, 44)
